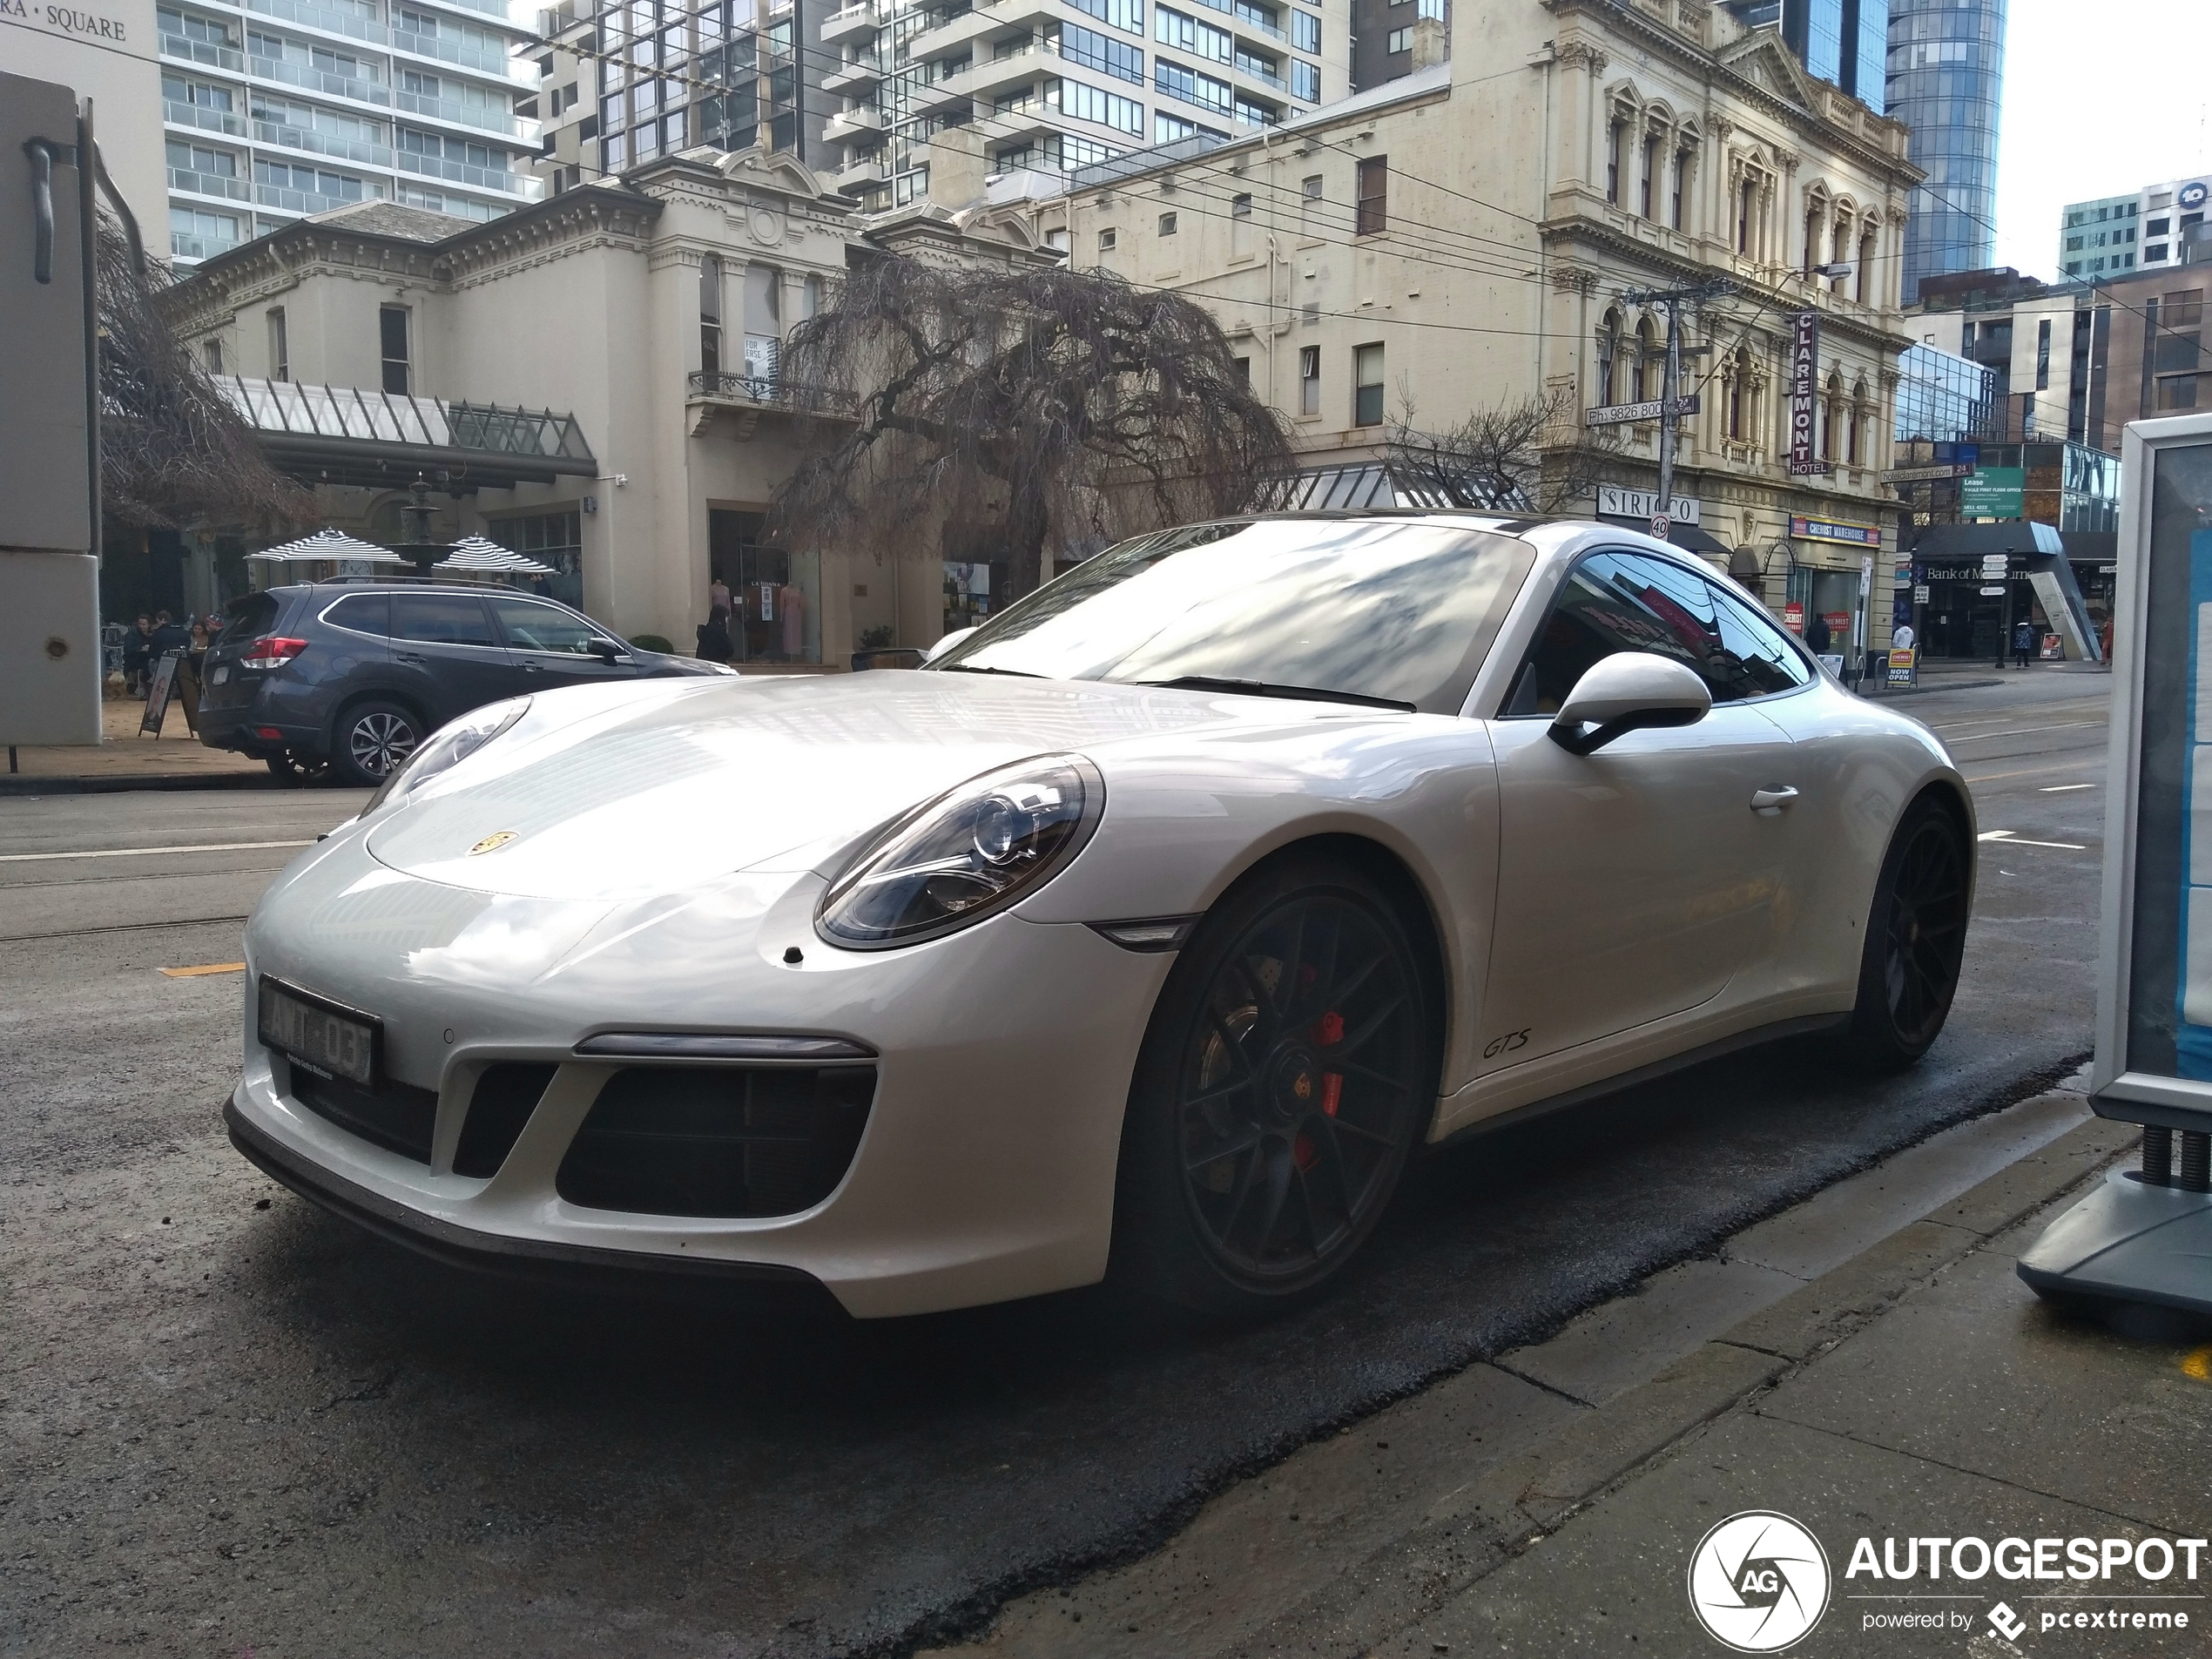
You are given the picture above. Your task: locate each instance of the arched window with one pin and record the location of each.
(1866, 271)
(1651, 361)
(1839, 244)
(1858, 410)
(1613, 132)
(1608, 359)
(1745, 197)
(1814, 215)
(1831, 406)
(1682, 158)
(1738, 389)
(1648, 189)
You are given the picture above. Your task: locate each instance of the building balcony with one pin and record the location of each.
(482, 117)
(735, 404)
(199, 116)
(862, 173)
(847, 125)
(226, 186)
(184, 246)
(954, 31)
(462, 173)
(853, 75)
(310, 201)
(468, 54)
(201, 51)
(328, 18)
(851, 23)
(316, 80)
(323, 143)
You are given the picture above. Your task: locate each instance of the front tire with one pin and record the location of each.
(371, 739)
(1289, 1065)
(1916, 935)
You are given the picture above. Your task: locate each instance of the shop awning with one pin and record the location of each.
(1973, 541)
(349, 434)
(1688, 537)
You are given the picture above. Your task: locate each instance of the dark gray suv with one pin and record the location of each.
(347, 678)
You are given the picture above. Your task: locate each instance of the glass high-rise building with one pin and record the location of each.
(1845, 42)
(1946, 74)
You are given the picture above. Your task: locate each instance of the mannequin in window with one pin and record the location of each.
(791, 604)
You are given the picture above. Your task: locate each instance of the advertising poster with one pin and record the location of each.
(2169, 1030)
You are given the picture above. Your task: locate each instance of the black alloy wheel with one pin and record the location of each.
(1915, 937)
(1288, 1069)
(373, 739)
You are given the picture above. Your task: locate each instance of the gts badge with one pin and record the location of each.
(1507, 1043)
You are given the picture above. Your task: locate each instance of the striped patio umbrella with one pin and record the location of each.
(474, 553)
(328, 544)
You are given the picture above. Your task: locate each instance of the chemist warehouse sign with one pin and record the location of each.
(1760, 1583)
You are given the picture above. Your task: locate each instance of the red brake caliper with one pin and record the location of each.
(1328, 1031)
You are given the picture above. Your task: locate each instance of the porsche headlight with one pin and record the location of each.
(446, 748)
(973, 851)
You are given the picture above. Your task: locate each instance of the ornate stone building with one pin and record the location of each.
(1469, 238)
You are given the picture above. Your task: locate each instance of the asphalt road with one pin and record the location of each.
(229, 1423)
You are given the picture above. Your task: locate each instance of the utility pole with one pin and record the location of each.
(1674, 300)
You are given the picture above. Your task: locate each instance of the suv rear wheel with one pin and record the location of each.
(371, 739)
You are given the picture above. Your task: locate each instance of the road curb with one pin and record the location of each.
(21, 783)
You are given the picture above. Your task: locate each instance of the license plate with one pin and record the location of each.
(328, 1039)
(219, 674)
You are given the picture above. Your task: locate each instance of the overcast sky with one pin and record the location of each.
(2101, 98)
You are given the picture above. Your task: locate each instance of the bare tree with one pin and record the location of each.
(1526, 456)
(1001, 412)
(172, 446)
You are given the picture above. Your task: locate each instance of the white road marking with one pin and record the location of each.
(2027, 730)
(2061, 789)
(147, 852)
(2012, 840)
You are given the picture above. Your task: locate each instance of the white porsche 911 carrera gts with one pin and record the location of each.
(1148, 929)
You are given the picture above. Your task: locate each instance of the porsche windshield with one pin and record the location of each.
(1397, 612)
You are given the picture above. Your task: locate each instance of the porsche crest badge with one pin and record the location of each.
(492, 843)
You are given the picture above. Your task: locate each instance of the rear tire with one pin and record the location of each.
(1915, 934)
(371, 739)
(1290, 1065)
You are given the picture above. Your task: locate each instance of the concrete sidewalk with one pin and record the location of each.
(1866, 1364)
(176, 759)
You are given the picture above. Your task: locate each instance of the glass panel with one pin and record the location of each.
(535, 627)
(440, 619)
(1403, 612)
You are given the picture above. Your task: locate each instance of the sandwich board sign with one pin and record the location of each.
(2146, 1236)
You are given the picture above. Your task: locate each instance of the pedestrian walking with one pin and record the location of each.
(1902, 636)
(1817, 634)
(2023, 642)
(714, 636)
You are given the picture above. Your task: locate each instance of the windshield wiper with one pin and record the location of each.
(974, 668)
(1261, 688)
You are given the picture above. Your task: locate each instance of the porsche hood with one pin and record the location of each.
(612, 797)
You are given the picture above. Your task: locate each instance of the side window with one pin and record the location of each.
(529, 626)
(365, 613)
(1763, 660)
(440, 619)
(1603, 610)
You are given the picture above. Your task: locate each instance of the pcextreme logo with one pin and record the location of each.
(1758, 1581)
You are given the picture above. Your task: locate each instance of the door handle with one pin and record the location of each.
(408, 656)
(1772, 801)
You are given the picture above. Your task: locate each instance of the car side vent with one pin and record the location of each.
(717, 1140)
(505, 1097)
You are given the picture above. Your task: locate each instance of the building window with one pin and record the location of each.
(1682, 187)
(1745, 195)
(1240, 205)
(280, 347)
(1167, 224)
(1398, 40)
(1308, 380)
(1244, 366)
(2043, 354)
(1608, 355)
(2155, 252)
(391, 322)
(1650, 182)
(1305, 81)
(210, 352)
(1374, 214)
(711, 313)
(1306, 31)
(1863, 276)
(1613, 163)
(1367, 385)
(1106, 241)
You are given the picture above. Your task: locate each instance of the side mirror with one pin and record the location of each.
(946, 643)
(608, 650)
(1625, 693)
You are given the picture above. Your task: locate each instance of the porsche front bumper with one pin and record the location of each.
(985, 1169)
